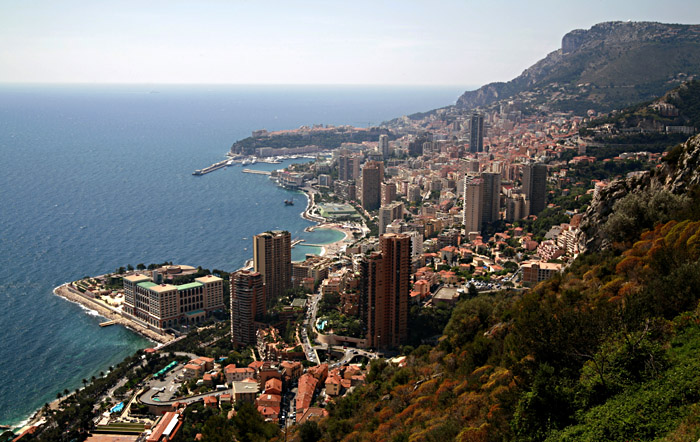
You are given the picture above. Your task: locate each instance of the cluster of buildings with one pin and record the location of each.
(382, 286)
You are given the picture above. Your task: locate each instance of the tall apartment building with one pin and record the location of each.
(476, 139)
(163, 306)
(415, 147)
(272, 258)
(400, 226)
(247, 304)
(491, 197)
(517, 207)
(414, 195)
(471, 215)
(388, 193)
(372, 177)
(389, 213)
(535, 186)
(386, 286)
(349, 167)
(384, 145)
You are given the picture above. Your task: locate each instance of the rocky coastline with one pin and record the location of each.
(65, 291)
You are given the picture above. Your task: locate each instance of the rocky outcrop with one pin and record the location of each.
(591, 236)
(610, 55)
(684, 174)
(679, 174)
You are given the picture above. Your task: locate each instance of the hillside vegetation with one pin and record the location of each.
(605, 352)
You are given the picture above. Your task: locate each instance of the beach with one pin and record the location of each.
(311, 214)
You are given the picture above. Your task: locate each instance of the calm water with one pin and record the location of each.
(93, 178)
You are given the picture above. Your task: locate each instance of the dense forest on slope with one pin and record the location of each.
(606, 351)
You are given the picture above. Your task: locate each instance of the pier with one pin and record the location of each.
(108, 323)
(213, 167)
(257, 172)
(297, 241)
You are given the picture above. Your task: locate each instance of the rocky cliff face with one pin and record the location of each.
(678, 176)
(591, 236)
(684, 175)
(614, 57)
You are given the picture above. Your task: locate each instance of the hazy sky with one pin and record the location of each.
(438, 42)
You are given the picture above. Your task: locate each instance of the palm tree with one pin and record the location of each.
(84, 381)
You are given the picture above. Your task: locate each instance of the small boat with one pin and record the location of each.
(289, 202)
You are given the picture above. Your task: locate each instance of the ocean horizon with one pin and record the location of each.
(95, 177)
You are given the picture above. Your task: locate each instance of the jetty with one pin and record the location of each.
(297, 241)
(213, 167)
(257, 172)
(108, 323)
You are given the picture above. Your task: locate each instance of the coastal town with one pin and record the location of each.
(454, 203)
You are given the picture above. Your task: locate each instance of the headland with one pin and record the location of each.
(68, 292)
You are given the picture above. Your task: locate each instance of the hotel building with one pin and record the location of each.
(162, 306)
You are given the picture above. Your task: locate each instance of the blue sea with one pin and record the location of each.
(97, 177)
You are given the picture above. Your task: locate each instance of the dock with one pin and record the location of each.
(108, 323)
(297, 241)
(257, 172)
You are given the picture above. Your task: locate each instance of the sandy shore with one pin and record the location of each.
(311, 214)
(337, 246)
(73, 295)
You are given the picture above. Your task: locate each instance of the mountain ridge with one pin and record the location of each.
(610, 65)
